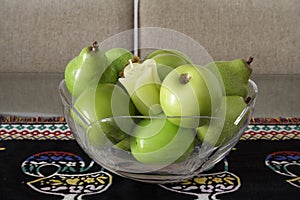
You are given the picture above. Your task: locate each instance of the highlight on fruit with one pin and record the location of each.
(158, 109)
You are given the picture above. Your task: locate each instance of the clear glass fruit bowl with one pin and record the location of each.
(167, 154)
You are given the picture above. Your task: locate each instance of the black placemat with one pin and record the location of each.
(248, 175)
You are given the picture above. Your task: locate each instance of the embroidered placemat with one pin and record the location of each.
(37, 128)
(41, 160)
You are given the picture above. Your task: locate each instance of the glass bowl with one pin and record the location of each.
(173, 162)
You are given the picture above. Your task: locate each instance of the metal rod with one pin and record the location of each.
(135, 29)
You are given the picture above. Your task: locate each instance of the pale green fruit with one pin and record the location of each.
(167, 62)
(146, 99)
(105, 101)
(158, 141)
(223, 131)
(190, 90)
(169, 51)
(85, 70)
(234, 74)
(124, 144)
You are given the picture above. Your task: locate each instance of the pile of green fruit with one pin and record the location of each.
(176, 99)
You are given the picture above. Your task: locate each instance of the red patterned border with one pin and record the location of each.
(279, 120)
(271, 135)
(259, 129)
(37, 119)
(61, 119)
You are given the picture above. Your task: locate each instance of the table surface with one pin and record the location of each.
(37, 94)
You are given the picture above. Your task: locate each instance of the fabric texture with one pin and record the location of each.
(44, 35)
(54, 166)
(268, 30)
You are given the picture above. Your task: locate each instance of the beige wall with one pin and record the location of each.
(269, 30)
(43, 35)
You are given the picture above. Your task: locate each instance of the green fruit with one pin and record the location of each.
(105, 101)
(142, 84)
(189, 90)
(110, 75)
(223, 131)
(124, 144)
(147, 106)
(97, 137)
(167, 62)
(169, 51)
(85, 70)
(234, 74)
(118, 58)
(158, 141)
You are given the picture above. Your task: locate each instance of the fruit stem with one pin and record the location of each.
(135, 59)
(249, 60)
(185, 78)
(95, 46)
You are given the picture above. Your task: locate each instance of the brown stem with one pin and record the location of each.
(249, 60)
(185, 78)
(95, 46)
(136, 59)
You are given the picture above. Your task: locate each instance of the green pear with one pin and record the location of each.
(234, 74)
(222, 131)
(85, 70)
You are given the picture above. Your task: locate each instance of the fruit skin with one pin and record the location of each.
(124, 144)
(200, 96)
(104, 101)
(159, 141)
(147, 106)
(223, 131)
(118, 58)
(110, 75)
(167, 62)
(234, 74)
(143, 84)
(86, 69)
(169, 51)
